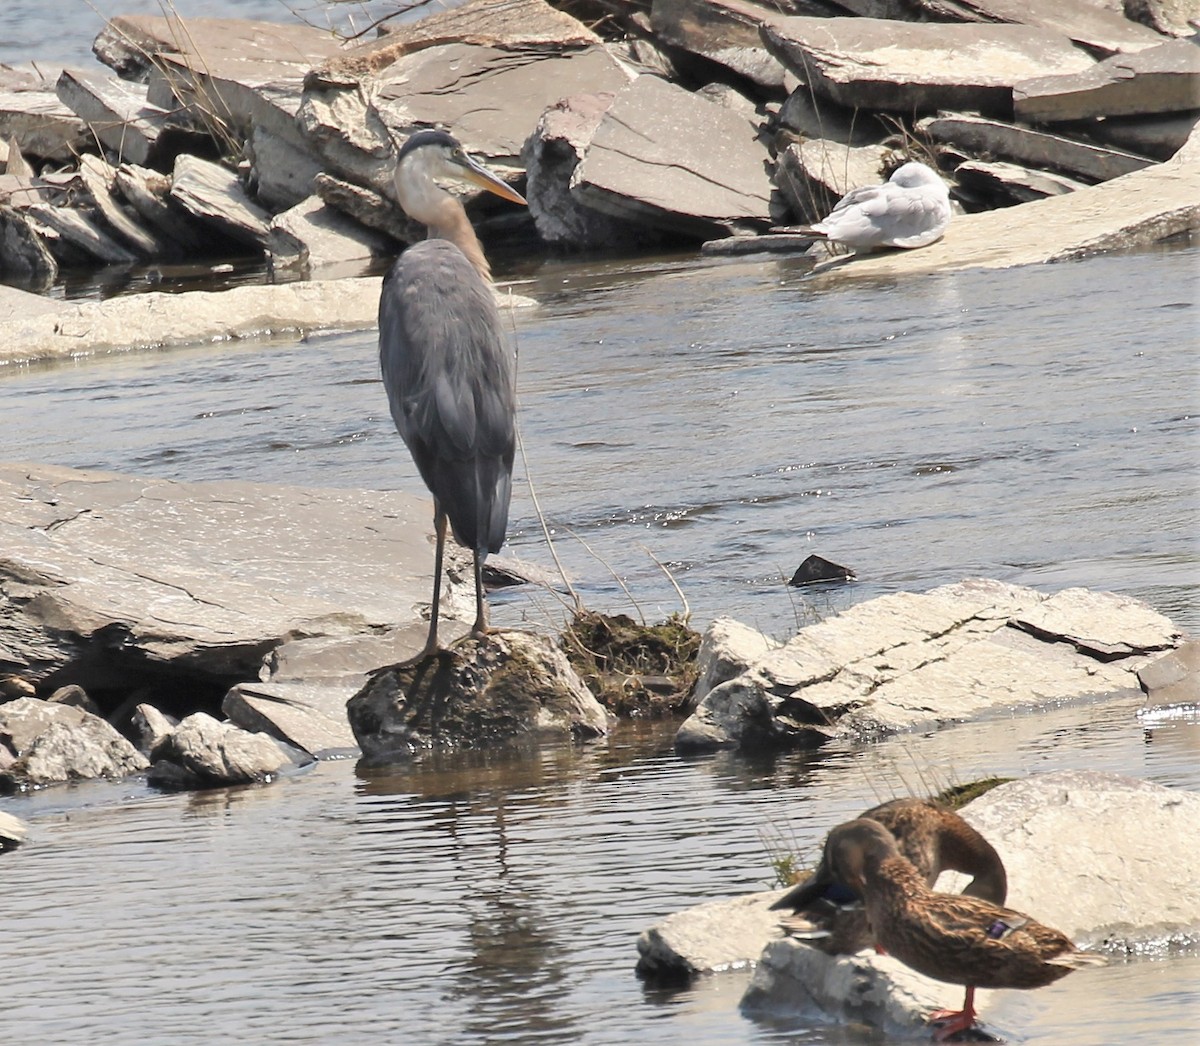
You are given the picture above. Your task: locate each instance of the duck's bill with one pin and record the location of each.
(477, 174)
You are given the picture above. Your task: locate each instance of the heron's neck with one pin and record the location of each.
(445, 219)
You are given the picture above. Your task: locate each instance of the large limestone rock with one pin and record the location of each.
(709, 938)
(56, 742)
(727, 649)
(509, 687)
(1086, 829)
(204, 753)
(1163, 79)
(905, 67)
(198, 579)
(664, 157)
(214, 195)
(905, 661)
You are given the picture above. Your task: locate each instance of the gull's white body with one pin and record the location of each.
(910, 209)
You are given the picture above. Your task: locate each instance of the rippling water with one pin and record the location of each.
(726, 418)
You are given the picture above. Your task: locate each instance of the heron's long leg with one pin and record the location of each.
(481, 626)
(439, 529)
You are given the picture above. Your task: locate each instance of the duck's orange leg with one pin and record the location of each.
(951, 1022)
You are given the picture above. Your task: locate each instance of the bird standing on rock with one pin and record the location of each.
(449, 372)
(829, 915)
(949, 937)
(911, 209)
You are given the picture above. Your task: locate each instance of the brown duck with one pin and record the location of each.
(828, 914)
(949, 937)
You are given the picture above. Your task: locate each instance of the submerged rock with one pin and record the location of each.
(505, 687)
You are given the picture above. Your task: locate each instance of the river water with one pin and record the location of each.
(722, 418)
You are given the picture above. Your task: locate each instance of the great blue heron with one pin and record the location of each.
(449, 372)
(910, 209)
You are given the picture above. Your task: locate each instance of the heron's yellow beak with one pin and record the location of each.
(475, 173)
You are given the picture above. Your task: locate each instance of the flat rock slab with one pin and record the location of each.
(662, 156)
(1134, 210)
(905, 661)
(198, 578)
(1087, 829)
(723, 31)
(872, 63)
(323, 239)
(1035, 148)
(1007, 184)
(307, 716)
(1082, 21)
(115, 110)
(1163, 79)
(1174, 679)
(213, 194)
(245, 72)
(41, 125)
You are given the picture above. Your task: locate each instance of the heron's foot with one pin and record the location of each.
(948, 1023)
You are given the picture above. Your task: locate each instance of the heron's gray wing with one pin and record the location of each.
(450, 377)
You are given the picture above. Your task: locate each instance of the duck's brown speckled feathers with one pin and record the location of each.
(949, 937)
(931, 836)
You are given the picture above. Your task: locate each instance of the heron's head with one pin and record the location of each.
(428, 157)
(915, 175)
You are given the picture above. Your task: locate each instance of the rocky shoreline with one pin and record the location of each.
(670, 124)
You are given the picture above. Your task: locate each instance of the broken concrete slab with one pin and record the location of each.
(551, 156)
(199, 580)
(905, 661)
(666, 158)
(116, 111)
(1020, 144)
(814, 175)
(910, 67)
(1008, 184)
(308, 716)
(56, 742)
(325, 242)
(1163, 79)
(1038, 823)
(213, 194)
(42, 125)
(722, 31)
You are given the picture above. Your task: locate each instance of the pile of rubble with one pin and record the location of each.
(672, 121)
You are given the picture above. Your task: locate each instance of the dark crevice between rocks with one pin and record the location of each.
(635, 671)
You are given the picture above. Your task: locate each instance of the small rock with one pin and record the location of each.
(727, 649)
(1008, 184)
(205, 753)
(324, 240)
(213, 194)
(1174, 678)
(817, 568)
(76, 697)
(12, 831)
(151, 728)
(814, 175)
(306, 716)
